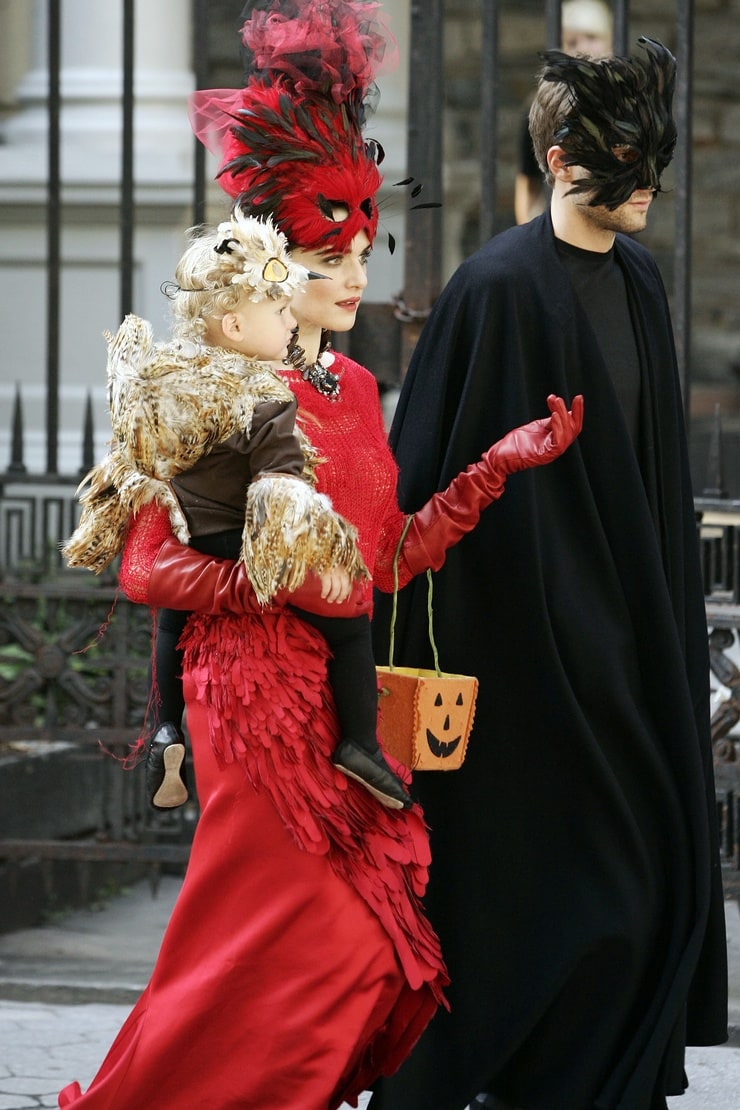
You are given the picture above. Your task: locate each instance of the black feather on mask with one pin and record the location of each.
(619, 128)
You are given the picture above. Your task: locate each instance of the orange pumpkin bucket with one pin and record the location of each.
(425, 716)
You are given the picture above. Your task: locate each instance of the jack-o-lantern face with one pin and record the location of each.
(446, 714)
(427, 717)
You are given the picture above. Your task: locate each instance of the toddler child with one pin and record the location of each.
(205, 426)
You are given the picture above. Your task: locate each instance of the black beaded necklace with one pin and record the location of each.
(316, 374)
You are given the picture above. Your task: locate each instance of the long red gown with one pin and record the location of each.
(298, 965)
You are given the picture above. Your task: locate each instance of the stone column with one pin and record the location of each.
(91, 81)
(388, 126)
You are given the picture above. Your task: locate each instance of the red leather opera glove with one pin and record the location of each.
(157, 570)
(454, 512)
(182, 578)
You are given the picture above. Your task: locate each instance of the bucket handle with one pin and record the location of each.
(394, 610)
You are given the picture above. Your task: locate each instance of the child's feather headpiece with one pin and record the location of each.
(290, 141)
(619, 127)
(254, 255)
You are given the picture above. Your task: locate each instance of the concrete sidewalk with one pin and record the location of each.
(66, 987)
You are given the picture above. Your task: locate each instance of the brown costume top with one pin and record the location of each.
(212, 493)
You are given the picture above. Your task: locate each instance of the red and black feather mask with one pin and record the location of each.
(290, 141)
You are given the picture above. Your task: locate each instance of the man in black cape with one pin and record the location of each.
(575, 881)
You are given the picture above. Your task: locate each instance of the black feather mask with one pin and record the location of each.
(619, 129)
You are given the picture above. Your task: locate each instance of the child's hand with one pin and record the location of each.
(336, 585)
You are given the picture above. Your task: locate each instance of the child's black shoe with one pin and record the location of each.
(166, 787)
(373, 772)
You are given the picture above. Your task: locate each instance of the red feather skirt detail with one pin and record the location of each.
(298, 965)
(276, 719)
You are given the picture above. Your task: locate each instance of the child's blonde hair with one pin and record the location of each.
(243, 257)
(200, 293)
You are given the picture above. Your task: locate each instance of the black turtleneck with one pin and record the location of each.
(599, 284)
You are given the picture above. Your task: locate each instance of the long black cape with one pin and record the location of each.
(575, 881)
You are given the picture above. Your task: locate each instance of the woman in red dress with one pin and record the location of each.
(298, 965)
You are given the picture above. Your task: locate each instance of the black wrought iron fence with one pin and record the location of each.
(73, 687)
(719, 548)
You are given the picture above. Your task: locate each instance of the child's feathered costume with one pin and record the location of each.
(172, 402)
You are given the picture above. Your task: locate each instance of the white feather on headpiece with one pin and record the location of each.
(256, 247)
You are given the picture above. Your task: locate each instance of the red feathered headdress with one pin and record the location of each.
(290, 141)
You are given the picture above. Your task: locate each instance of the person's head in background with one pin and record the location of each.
(586, 27)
